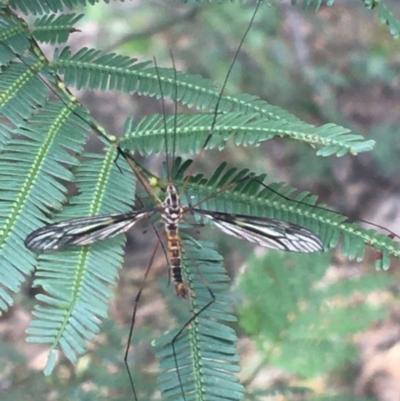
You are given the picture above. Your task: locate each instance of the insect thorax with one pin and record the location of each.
(173, 210)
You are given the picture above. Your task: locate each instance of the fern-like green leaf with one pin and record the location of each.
(28, 176)
(261, 121)
(88, 68)
(13, 37)
(55, 29)
(191, 132)
(206, 350)
(22, 91)
(75, 280)
(386, 16)
(247, 119)
(38, 7)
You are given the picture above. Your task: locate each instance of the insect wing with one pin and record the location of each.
(83, 231)
(270, 233)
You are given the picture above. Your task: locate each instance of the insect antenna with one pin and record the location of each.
(391, 233)
(168, 160)
(217, 105)
(175, 99)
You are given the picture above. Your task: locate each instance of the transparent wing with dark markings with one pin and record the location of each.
(270, 233)
(84, 231)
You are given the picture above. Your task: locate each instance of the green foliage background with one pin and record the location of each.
(263, 69)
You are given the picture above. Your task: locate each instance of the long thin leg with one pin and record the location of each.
(192, 167)
(133, 319)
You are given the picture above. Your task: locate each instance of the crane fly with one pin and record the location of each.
(264, 231)
(267, 232)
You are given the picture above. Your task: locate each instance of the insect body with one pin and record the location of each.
(172, 215)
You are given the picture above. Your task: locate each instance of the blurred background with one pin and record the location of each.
(338, 334)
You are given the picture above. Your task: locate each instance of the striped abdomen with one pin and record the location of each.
(172, 215)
